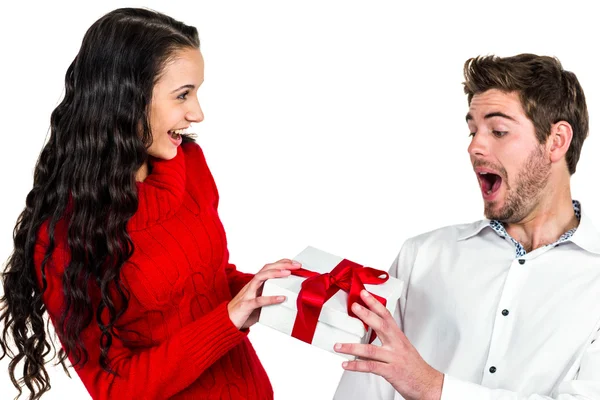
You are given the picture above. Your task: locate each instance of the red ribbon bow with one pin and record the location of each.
(318, 288)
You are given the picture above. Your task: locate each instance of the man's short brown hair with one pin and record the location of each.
(548, 93)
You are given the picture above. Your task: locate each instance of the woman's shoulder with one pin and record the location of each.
(59, 234)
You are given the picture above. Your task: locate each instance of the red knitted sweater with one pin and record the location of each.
(176, 338)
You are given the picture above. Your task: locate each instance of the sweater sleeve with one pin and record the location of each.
(237, 279)
(157, 372)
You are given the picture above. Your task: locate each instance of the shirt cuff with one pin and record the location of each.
(455, 389)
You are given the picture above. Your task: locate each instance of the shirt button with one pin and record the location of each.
(521, 261)
(505, 312)
(492, 369)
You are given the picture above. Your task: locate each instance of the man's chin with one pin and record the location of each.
(507, 216)
(493, 211)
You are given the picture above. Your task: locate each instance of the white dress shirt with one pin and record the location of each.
(498, 326)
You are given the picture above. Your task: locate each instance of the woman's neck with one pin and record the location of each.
(142, 173)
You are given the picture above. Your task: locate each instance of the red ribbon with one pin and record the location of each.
(318, 288)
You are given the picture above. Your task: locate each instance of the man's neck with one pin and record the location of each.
(546, 223)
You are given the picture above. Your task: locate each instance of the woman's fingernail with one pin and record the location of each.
(365, 293)
(345, 364)
(294, 262)
(337, 346)
(280, 298)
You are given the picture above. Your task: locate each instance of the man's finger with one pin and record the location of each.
(370, 318)
(374, 305)
(365, 351)
(374, 367)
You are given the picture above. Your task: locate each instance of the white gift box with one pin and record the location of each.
(334, 324)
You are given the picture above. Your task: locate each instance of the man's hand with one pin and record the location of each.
(396, 360)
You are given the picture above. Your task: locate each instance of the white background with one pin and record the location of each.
(336, 124)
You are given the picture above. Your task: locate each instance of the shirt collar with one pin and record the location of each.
(586, 236)
(473, 229)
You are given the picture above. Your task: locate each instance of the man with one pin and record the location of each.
(508, 307)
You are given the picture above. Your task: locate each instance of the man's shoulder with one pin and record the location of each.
(429, 245)
(448, 234)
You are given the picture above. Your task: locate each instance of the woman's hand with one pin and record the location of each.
(244, 308)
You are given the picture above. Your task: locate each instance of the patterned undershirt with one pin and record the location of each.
(498, 227)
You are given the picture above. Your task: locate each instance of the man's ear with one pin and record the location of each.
(561, 134)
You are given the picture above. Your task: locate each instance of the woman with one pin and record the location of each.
(120, 241)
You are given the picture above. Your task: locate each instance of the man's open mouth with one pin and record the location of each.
(489, 182)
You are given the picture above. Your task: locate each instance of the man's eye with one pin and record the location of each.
(472, 134)
(499, 134)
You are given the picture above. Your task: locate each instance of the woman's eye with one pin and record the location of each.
(183, 95)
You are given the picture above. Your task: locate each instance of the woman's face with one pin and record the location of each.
(175, 102)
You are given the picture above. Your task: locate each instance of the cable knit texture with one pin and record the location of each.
(176, 340)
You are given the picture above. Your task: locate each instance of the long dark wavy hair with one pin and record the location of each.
(85, 174)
